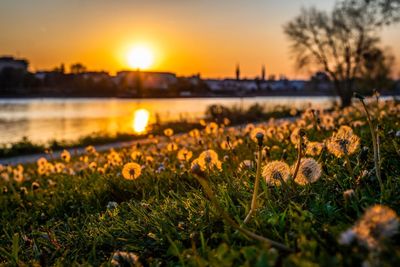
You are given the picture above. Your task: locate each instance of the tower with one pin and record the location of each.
(263, 73)
(237, 72)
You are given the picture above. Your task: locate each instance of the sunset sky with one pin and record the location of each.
(186, 36)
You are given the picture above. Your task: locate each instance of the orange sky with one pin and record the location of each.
(187, 36)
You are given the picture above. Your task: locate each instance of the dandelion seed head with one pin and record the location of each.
(275, 172)
(121, 258)
(208, 160)
(378, 223)
(343, 142)
(309, 171)
(131, 171)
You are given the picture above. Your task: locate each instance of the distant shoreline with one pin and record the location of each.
(275, 94)
(264, 94)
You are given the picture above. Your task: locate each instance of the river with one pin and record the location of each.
(42, 120)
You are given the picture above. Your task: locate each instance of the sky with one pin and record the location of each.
(186, 36)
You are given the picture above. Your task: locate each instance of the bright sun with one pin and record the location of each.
(140, 57)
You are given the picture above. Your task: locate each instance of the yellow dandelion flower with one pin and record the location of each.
(184, 154)
(18, 176)
(101, 170)
(237, 142)
(131, 171)
(172, 146)
(301, 123)
(93, 165)
(224, 145)
(50, 168)
(59, 167)
(84, 159)
(295, 136)
(249, 127)
(212, 128)
(343, 142)
(149, 159)
(90, 150)
(41, 162)
(275, 172)
(20, 168)
(227, 121)
(5, 176)
(168, 132)
(208, 160)
(135, 155)
(271, 132)
(309, 171)
(195, 133)
(65, 156)
(41, 170)
(327, 122)
(114, 159)
(314, 148)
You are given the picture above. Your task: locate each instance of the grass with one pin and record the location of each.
(64, 217)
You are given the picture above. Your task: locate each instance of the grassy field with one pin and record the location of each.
(328, 195)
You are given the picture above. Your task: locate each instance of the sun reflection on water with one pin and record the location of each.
(140, 121)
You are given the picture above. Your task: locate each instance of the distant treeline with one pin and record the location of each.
(17, 82)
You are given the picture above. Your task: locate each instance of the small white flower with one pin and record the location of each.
(112, 205)
(347, 237)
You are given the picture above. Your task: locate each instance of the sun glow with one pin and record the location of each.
(140, 120)
(140, 57)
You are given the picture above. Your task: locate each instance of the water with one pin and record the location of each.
(42, 120)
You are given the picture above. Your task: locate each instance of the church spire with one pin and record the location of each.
(237, 72)
(263, 72)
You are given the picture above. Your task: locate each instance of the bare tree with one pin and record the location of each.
(77, 68)
(338, 42)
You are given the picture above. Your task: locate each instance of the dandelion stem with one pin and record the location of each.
(375, 147)
(209, 192)
(253, 206)
(396, 148)
(296, 170)
(315, 120)
(348, 165)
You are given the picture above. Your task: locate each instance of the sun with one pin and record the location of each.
(140, 57)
